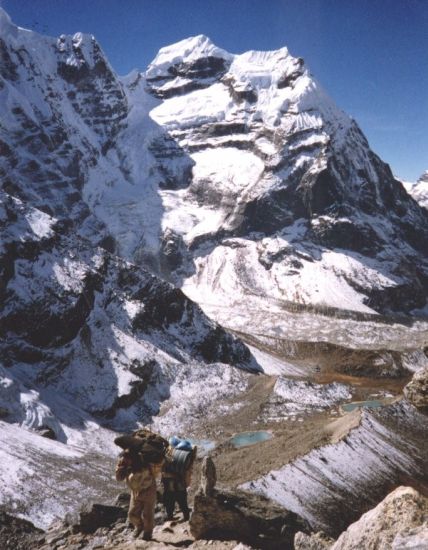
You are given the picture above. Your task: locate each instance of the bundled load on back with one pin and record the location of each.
(150, 447)
(181, 456)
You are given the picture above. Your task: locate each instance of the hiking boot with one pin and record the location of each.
(147, 535)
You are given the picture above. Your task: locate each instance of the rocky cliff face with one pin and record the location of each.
(62, 105)
(74, 314)
(399, 521)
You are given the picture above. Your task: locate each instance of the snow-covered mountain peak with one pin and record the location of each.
(185, 52)
(269, 148)
(424, 177)
(419, 190)
(79, 49)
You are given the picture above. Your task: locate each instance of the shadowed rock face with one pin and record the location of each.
(68, 305)
(17, 533)
(195, 75)
(76, 81)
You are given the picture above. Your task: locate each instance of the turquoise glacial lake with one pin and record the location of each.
(250, 438)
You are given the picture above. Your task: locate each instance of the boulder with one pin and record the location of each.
(415, 539)
(93, 516)
(224, 514)
(416, 391)
(18, 533)
(315, 541)
(394, 519)
(244, 516)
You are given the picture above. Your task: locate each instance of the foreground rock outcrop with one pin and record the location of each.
(105, 526)
(226, 520)
(390, 524)
(17, 533)
(225, 514)
(399, 522)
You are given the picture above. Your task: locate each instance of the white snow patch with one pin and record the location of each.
(186, 51)
(272, 365)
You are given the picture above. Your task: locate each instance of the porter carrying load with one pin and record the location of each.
(139, 464)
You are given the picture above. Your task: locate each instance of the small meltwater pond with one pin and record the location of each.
(249, 438)
(369, 404)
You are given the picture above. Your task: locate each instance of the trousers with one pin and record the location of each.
(142, 508)
(174, 492)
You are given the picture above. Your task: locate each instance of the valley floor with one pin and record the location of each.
(294, 436)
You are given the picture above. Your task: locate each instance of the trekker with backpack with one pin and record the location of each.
(139, 465)
(176, 477)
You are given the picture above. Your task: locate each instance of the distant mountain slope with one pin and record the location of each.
(87, 325)
(419, 190)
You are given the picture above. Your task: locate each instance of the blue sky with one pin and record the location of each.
(370, 55)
